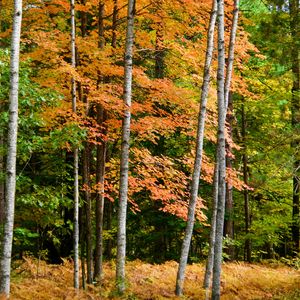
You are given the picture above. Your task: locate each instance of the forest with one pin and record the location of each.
(149, 149)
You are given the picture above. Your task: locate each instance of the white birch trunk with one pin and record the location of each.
(212, 236)
(10, 190)
(2, 184)
(198, 159)
(231, 51)
(209, 265)
(221, 157)
(123, 191)
(76, 184)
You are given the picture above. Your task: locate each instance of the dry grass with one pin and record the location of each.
(146, 281)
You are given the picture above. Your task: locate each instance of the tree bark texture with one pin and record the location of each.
(212, 236)
(88, 211)
(123, 190)
(229, 213)
(10, 190)
(247, 247)
(231, 51)
(199, 151)
(100, 176)
(100, 165)
(221, 155)
(76, 154)
(82, 246)
(114, 25)
(216, 195)
(2, 183)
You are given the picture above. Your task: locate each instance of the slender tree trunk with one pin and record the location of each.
(100, 166)
(101, 42)
(247, 253)
(88, 211)
(229, 225)
(199, 151)
(2, 166)
(114, 25)
(109, 204)
(76, 154)
(211, 258)
(160, 247)
(10, 190)
(101, 159)
(295, 59)
(122, 211)
(109, 213)
(86, 235)
(221, 155)
(231, 51)
(212, 237)
(229, 230)
(82, 247)
(2, 184)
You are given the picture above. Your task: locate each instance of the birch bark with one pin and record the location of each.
(199, 151)
(227, 83)
(123, 191)
(220, 155)
(10, 189)
(76, 154)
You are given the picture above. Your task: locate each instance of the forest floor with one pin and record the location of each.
(38, 281)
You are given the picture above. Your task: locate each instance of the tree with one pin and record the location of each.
(199, 150)
(10, 190)
(216, 196)
(123, 190)
(101, 159)
(76, 154)
(221, 157)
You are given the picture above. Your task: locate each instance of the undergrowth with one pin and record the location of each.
(38, 280)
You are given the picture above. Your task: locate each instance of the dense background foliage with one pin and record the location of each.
(168, 59)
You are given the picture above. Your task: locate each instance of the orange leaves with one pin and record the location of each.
(161, 108)
(159, 176)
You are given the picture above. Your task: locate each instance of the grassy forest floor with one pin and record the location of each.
(33, 280)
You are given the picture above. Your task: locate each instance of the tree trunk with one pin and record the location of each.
(76, 183)
(114, 25)
(221, 155)
(2, 159)
(231, 51)
(100, 174)
(212, 237)
(88, 211)
(211, 258)
(199, 151)
(229, 225)
(229, 230)
(100, 166)
(109, 213)
(247, 253)
(10, 190)
(295, 59)
(2, 183)
(82, 247)
(101, 41)
(122, 211)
